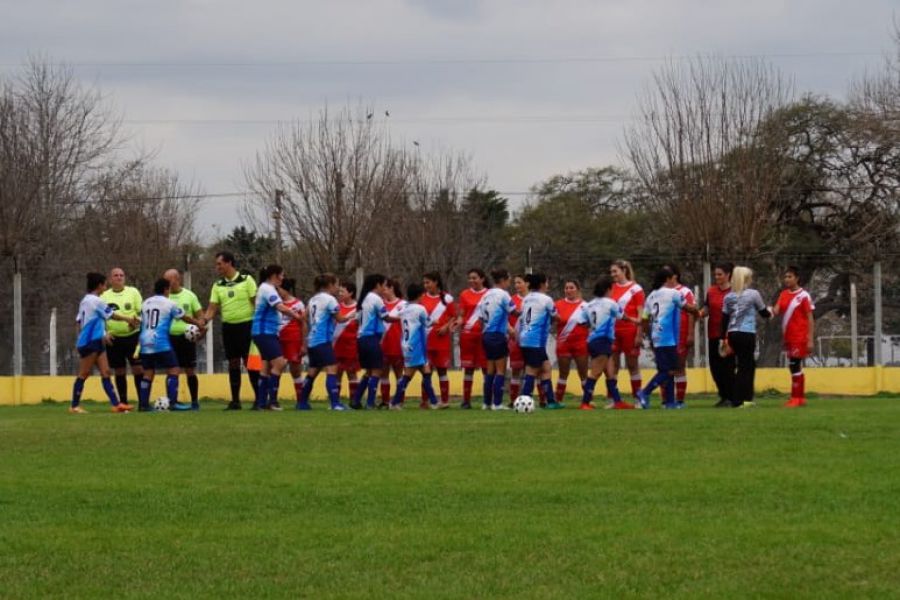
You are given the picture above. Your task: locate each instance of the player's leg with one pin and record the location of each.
(612, 370)
(134, 362)
(597, 368)
(499, 382)
(563, 364)
(276, 368)
(234, 352)
(547, 384)
(798, 382)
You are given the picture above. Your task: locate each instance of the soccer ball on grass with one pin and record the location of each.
(161, 404)
(524, 404)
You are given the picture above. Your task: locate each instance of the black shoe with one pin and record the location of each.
(723, 404)
(144, 408)
(356, 405)
(234, 406)
(383, 406)
(466, 406)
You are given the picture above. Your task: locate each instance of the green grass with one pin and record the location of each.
(566, 504)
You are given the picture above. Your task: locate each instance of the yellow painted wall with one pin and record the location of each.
(862, 381)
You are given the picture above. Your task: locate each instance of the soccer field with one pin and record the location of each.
(456, 504)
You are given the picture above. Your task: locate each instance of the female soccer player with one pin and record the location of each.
(93, 313)
(538, 315)
(571, 337)
(441, 323)
(494, 310)
(629, 335)
(721, 367)
(516, 361)
(739, 311)
(390, 343)
(797, 330)
(685, 337)
(266, 323)
(414, 325)
(662, 316)
(372, 314)
(600, 316)
(322, 314)
(292, 334)
(471, 350)
(345, 349)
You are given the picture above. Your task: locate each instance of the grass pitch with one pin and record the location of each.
(458, 504)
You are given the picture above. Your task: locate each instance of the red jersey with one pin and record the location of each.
(715, 298)
(795, 308)
(468, 300)
(439, 314)
(390, 341)
(567, 328)
(514, 316)
(688, 296)
(630, 297)
(345, 333)
(290, 327)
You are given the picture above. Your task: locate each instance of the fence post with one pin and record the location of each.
(707, 282)
(52, 343)
(698, 328)
(209, 350)
(17, 321)
(854, 328)
(528, 269)
(876, 276)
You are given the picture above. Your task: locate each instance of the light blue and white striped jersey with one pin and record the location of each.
(266, 318)
(742, 310)
(322, 309)
(538, 311)
(371, 316)
(93, 313)
(600, 315)
(663, 308)
(157, 314)
(494, 309)
(414, 325)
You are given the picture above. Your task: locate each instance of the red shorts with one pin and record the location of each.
(292, 350)
(392, 361)
(625, 342)
(571, 347)
(439, 358)
(683, 348)
(471, 351)
(347, 363)
(795, 349)
(516, 360)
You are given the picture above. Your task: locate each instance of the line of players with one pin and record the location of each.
(387, 333)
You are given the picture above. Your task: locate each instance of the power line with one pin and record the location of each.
(457, 119)
(456, 61)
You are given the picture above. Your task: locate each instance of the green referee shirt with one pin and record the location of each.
(126, 303)
(187, 301)
(236, 298)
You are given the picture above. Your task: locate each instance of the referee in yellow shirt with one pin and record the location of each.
(234, 295)
(125, 301)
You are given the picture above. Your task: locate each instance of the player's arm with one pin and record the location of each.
(644, 326)
(280, 307)
(810, 341)
(344, 318)
(211, 311)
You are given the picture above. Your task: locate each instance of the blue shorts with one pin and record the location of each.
(534, 357)
(496, 345)
(268, 345)
(600, 347)
(370, 354)
(666, 358)
(92, 347)
(321, 356)
(159, 360)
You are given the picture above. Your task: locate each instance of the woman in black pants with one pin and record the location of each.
(739, 313)
(721, 367)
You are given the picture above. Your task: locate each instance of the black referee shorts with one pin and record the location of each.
(236, 338)
(121, 352)
(185, 351)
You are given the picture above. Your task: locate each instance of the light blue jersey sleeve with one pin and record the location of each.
(494, 311)
(322, 310)
(371, 316)
(157, 314)
(266, 318)
(93, 313)
(414, 325)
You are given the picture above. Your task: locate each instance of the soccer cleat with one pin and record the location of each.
(234, 405)
(77, 410)
(179, 406)
(423, 404)
(485, 407)
(610, 404)
(397, 406)
(747, 404)
(303, 406)
(680, 404)
(355, 405)
(555, 405)
(370, 406)
(275, 406)
(723, 403)
(436, 406)
(442, 405)
(586, 406)
(195, 406)
(670, 406)
(465, 406)
(642, 401)
(338, 406)
(622, 405)
(795, 403)
(499, 407)
(121, 408)
(385, 406)
(145, 408)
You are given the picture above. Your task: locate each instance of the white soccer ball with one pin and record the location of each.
(524, 404)
(192, 333)
(161, 404)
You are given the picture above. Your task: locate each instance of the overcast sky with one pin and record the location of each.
(528, 88)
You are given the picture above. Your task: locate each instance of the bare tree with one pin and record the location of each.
(699, 151)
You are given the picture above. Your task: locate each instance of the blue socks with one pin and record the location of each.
(172, 388)
(274, 381)
(401, 390)
(110, 391)
(262, 392)
(588, 389)
(499, 381)
(333, 386)
(361, 388)
(144, 394)
(307, 390)
(429, 389)
(372, 385)
(528, 385)
(487, 389)
(547, 384)
(77, 388)
(612, 390)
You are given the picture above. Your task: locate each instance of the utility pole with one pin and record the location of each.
(279, 196)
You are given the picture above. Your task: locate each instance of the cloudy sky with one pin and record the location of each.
(528, 88)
